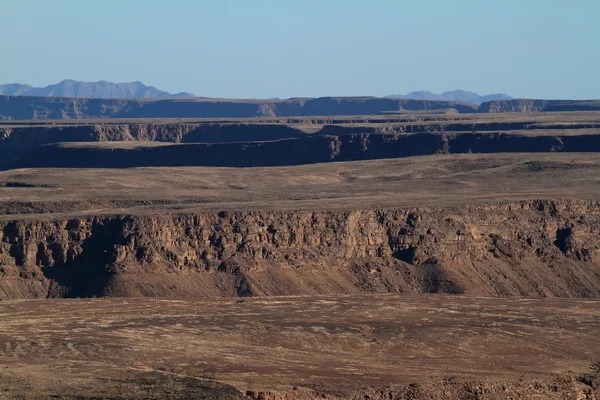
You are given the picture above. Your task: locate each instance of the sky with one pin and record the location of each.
(307, 48)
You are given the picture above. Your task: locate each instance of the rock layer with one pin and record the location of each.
(286, 141)
(533, 105)
(26, 108)
(522, 249)
(308, 150)
(42, 108)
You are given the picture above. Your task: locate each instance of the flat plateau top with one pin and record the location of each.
(327, 343)
(427, 181)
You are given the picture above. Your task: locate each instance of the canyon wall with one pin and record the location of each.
(306, 150)
(537, 105)
(43, 108)
(537, 248)
(28, 108)
(287, 141)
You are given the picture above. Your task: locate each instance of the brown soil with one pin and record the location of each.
(302, 347)
(430, 181)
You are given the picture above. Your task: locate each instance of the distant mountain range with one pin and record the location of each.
(137, 90)
(455, 95)
(100, 90)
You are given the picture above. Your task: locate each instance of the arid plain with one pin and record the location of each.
(397, 257)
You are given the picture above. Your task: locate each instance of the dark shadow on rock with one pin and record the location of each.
(562, 239)
(87, 273)
(220, 133)
(243, 287)
(406, 255)
(436, 280)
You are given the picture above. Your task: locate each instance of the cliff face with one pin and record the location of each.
(516, 105)
(303, 150)
(25, 108)
(42, 108)
(531, 105)
(14, 141)
(528, 248)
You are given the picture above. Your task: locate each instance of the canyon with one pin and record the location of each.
(287, 141)
(301, 257)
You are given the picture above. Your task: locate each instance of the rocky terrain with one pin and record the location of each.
(314, 149)
(519, 249)
(444, 223)
(43, 108)
(287, 141)
(403, 256)
(329, 347)
(532, 105)
(24, 107)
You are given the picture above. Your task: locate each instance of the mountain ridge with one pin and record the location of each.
(454, 95)
(137, 90)
(101, 90)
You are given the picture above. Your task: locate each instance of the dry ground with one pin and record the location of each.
(331, 344)
(438, 180)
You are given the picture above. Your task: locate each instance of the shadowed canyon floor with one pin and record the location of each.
(287, 141)
(435, 347)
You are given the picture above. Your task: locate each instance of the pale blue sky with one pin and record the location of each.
(284, 48)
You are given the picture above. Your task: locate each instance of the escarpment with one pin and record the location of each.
(68, 108)
(537, 105)
(49, 108)
(537, 248)
(308, 150)
(27, 108)
(286, 141)
(269, 141)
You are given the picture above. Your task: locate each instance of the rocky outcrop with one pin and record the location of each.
(526, 249)
(557, 387)
(516, 105)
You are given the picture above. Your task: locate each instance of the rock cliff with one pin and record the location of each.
(303, 150)
(539, 248)
(533, 105)
(27, 108)
(284, 141)
(43, 108)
